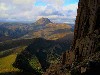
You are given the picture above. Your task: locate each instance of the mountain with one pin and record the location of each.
(51, 31)
(42, 28)
(84, 56)
(9, 31)
(42, 21)
(8, 34)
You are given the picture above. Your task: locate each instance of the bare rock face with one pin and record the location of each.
(84, 56)
(87, 28)
(86, 43)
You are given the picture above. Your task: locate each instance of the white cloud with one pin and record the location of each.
(54, 2)
(71, 7)
(3, 7)
(26, 10)
(23, 1)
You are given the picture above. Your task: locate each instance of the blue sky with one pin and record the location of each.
(68, 2)
(62, 11)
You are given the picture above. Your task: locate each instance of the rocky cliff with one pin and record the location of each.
(84, 56)
(87, 28)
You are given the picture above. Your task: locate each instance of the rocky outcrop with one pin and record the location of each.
(87, 29)
(84, 56)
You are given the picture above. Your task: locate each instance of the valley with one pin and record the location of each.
(43, 39)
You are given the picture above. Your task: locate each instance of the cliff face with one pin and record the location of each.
(84, 56)
(87, 28)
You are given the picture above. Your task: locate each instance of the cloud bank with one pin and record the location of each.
(28, 10)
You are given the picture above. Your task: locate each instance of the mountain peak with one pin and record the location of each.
(43, 21)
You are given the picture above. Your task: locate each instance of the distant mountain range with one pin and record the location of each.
(43, 28)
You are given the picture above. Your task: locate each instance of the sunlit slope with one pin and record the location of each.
(7, 59)
(6, 63)
(51, 31)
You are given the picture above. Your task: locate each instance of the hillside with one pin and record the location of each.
(8, 52)
(12, 48)
(7, 58)
(14, 44)
(10, 31)
(43, 28)
(45, 51)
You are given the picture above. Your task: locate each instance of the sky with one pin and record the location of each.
(59, 11)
